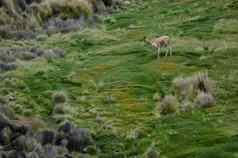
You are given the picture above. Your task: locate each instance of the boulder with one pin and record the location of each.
(5, 136)
(77, 138)
(46, 137)
(7, 66)
(16, 154)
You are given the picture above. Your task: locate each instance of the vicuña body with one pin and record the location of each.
(161, 42)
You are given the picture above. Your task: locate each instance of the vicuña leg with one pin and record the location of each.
(170, 51)
(167, 51)
(158, 53)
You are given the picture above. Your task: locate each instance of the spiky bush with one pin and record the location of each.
(204, 100)
(169, 104)
(201, 82)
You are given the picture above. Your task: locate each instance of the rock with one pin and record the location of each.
(7, 67)
(59, 52)
(5, 136)
(4, 122)
(46, 137)
(25, 55)
(25, 35)
(21, 130)
(33, 155)
(39, 150)
(55, 25)
(79, 139)
(7, 111)
(19, 143)
(6, 56)
(30, 144)
(16, 154)
(66, 128)
(3, 154)
(21, 4)
(108, 2)
(99, 7)
(50, 151)
(37, 51)
(29, 123)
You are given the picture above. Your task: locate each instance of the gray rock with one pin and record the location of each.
(37, 51)
(99, 7)
(7, 111)
(16, 154)
(4, 122)
(7, 66)
(33, 155)
(46, 137)
(5, 136)
(79, 139)
(50, 151)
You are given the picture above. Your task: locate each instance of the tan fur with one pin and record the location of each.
(161, 42)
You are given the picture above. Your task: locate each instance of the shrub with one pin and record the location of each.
(6, 56)
(186, 106)
(201, 82)
(59, 98)
(168, 105)
(25, 55)
(63, 8)
(183, 87)
(204, 100)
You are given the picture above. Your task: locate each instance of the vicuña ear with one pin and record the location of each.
(146, 40)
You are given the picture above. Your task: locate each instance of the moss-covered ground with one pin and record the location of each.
(110, 73)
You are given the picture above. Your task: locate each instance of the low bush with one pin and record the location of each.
(195, 91)
(59, 98)
(169, 104)
(204, 100)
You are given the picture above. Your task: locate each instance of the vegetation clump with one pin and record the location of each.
(205, 99)
(168, 105)
(195, 91)
(59, 98)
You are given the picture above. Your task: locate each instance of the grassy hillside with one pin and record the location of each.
(110, 78)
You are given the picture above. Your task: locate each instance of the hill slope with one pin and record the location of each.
(110, 73)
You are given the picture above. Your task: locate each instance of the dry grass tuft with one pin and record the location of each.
(168, 105)
(182, 87)
(201, 82)
(197, 90)
(204, 100)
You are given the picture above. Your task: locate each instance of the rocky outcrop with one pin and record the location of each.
(8, 56)
(18, 140)
(25, 19)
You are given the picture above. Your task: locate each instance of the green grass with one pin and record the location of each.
(111, 72)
